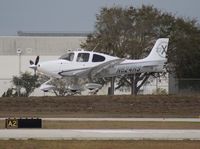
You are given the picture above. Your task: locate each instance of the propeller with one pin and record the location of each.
(31, 62)
(34, 65)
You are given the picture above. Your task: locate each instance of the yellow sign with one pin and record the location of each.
(11, 123)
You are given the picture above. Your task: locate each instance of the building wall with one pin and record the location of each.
(38, 45)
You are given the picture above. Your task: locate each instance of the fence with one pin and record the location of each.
(188, 86)
(5, 83)
(163, 85)
(152, 86)
(6, 86)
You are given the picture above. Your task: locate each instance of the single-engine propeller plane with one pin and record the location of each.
(90, 64)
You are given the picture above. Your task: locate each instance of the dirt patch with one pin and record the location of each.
(114, 125)
(37, 144)
(101, 106)
(119, 125)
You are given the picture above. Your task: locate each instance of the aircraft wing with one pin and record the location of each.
(99, 69)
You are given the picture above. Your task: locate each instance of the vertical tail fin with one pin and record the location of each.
(159, 50)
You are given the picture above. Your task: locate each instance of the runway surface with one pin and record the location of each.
(104, 134)
(99, 134)
(124, 119)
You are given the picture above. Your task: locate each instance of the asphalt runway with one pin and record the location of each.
(123, 119)
(127, 119)
(104, 134)
(99, 134)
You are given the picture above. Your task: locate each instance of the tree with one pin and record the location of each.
(24, 85)
(62, 87)
(184, 50)
(131, 33)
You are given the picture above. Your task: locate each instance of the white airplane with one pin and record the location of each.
(89, 65)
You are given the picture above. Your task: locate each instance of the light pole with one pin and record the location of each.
(19, 52)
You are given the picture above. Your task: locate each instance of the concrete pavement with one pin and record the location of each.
(99, 134)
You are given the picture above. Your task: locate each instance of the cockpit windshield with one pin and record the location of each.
(67, 56)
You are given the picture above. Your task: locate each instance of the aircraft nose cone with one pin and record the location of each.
(50, 68)
(41, 67)
(33, 66)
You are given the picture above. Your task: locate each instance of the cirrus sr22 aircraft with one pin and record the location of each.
(89, 65)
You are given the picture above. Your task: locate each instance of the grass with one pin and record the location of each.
(120, 125)
(37, 144)
(101, 106)
(115, 125)
(2, 124)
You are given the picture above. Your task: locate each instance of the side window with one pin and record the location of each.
(83, 57)
(98, 58)
(71, 56)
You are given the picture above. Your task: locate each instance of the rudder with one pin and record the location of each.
(159, 50)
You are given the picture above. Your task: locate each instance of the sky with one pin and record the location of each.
(75, 15)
